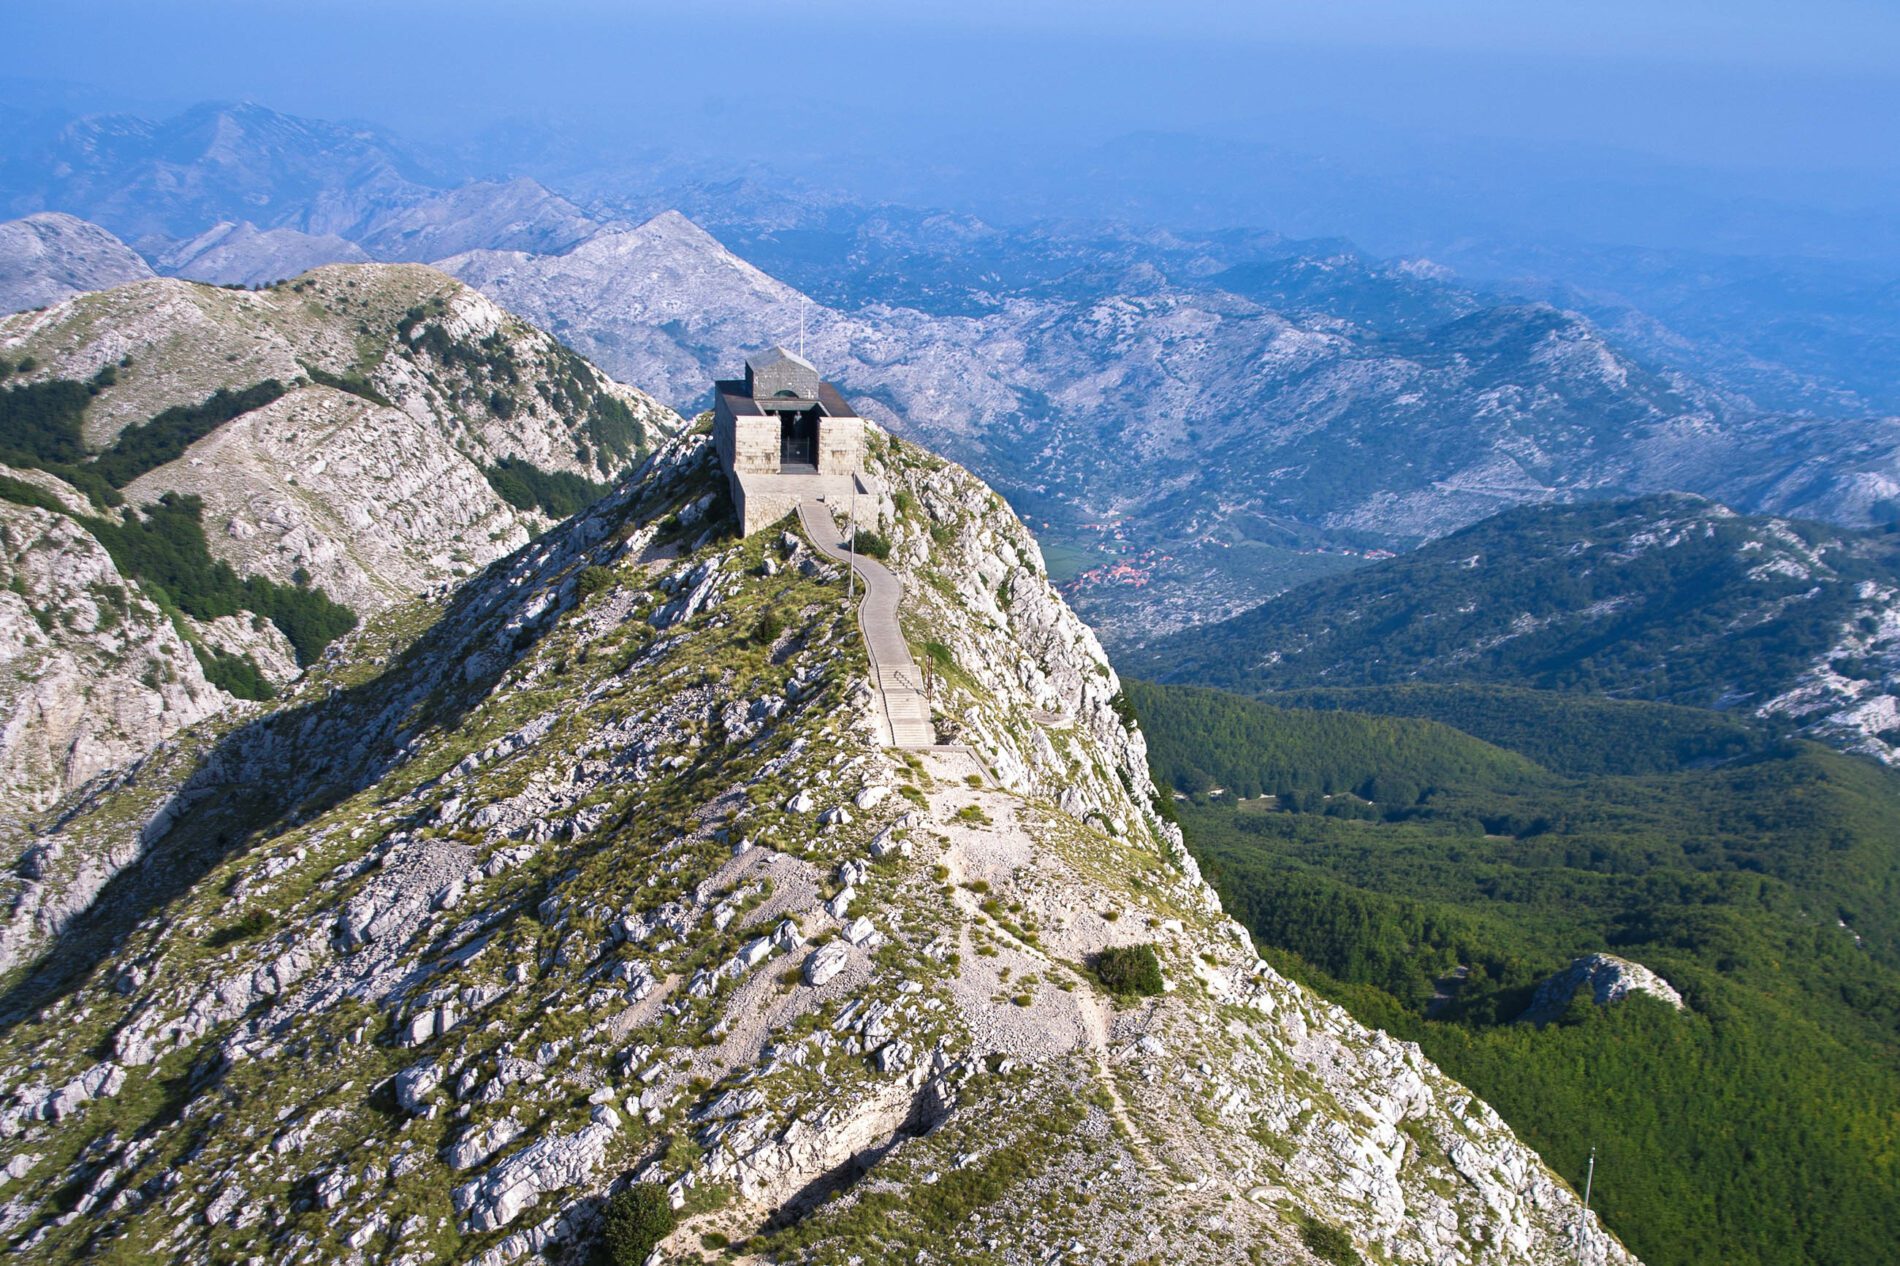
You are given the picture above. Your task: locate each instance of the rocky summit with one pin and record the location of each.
(590, 875)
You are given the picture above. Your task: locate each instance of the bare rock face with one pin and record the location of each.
(1165, 415)
(1608, 978)
(508, 215)
(367, 476)
(48, 257)
(531, 895)
(92, 674)
(656, 296)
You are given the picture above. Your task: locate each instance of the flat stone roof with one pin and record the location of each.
(733, 392)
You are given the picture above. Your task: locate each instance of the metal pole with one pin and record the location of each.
(851, 573)
(1589, 1179)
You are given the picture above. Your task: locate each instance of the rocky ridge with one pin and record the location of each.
(48, 257)
(241, 254)
(1671, 598)
(587, 873)
(366, 477)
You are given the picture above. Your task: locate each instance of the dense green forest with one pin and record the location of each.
(149, 445)
(165, 549)
(42, 428)
(1375, 855)
(1662, 598)
(1569, 733)
(557, 493)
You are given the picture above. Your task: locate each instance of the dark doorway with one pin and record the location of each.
(798, 438)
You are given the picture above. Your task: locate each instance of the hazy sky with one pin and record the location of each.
(1740, 82)
(1703, 102)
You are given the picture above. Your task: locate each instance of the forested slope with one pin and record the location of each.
(1381, 858)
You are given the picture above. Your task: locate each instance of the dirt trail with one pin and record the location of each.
(1095, 1016)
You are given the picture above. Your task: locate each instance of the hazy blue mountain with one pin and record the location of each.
(1194, 422)
(173, 178)
(1194, 418)
(163, 184)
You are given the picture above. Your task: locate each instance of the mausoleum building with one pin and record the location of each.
(785, 435)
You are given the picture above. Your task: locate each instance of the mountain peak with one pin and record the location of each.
(592, 876)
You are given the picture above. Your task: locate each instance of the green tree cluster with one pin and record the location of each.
(559, 494)
(1132, 971)
(164, 548)
(634, 1222)
(1656, 598)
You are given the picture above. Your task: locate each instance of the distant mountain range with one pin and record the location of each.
(48, 257)
(1192, 421)
(1193, 433)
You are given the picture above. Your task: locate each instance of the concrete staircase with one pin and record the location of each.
(899, 683)
(906, 707)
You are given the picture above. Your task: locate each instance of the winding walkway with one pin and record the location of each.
(899, 684)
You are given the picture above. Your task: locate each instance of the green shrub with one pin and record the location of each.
(165, 438)
(634, 1222)
(1329, 1244)
(234, 674)
(1129, 970)
(767, 630)
(594, 580)
(245, 928)
(354, 383)
(165, 550)
(19, 492)
(873, 544)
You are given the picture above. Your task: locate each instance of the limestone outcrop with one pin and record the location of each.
(1607, 978)
(367, 474)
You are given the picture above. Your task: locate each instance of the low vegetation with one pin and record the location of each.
(164, 549)
(1661, 598)
(1329, 1244)
(1130, 971)
(559, 494)
(873, 544)
(149, 445)
(634, 1222)
(354, 383)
